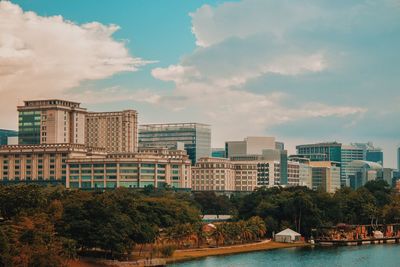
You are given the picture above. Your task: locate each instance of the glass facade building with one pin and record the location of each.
(196, 138)
(29, 127)
(4, 134)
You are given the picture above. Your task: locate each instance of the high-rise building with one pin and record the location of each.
(113, 131)
(6, 135)
(329, 151)
(349, 154)
(371, 153)
(195, 136)
(51, 122)
(341, 154)
(305, 170)
(364, 171)
(325, 176)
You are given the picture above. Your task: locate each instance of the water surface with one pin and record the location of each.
(352, 256)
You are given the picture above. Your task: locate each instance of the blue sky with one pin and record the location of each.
(304, 71)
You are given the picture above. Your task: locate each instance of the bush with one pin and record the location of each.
(167, 251)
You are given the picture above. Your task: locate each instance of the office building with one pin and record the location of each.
(253, 145)
(349, 154)
(156, 167)
(195, 136)
(364, 171)
(325, 176)
(113, 131)
(7, 137)
(40, 163)
(329, 151)
(305, 170)
(260, 149)
(51, 122)
(371, 153)
(213, 174)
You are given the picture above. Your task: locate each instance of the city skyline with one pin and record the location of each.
(329, 73)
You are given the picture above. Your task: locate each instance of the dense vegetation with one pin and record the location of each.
(44, 226)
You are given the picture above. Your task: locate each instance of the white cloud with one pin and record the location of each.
(43, 57)
(237, 43)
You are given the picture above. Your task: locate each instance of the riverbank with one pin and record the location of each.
(191, 254)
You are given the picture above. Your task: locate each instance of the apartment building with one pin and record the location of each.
(113, 131)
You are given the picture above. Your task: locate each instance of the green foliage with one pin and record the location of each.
(167, 251)
(302, 209)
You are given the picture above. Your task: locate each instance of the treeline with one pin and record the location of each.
(303, 209)
(47, 226)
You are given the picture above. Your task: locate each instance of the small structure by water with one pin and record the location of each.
(287, 236)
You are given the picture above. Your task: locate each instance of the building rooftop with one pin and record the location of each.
(322, 144)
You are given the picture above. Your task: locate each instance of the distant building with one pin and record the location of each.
(195, 136)
(218, 153)
(213, 174)
(325, 176)
(45, 163)
(258, 148)
(398, 159)
(305, 170)
(148, 167)
(113, 131)
(5, 136)
(341, 154)
(51, 122)
(253, 145)
(371, 153)
(364, 171)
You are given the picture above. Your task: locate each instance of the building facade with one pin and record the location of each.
(6, 135)
(364, 171)
(113, 131)
(155, 167)
(196, 137)
(252, 145)
(325, 176)
(40, 163)
(213, 174)
(51, 122)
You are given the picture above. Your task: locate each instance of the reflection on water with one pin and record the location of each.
(353, 256)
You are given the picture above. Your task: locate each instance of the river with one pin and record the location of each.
(352, 256)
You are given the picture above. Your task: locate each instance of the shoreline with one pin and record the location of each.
(193, 254)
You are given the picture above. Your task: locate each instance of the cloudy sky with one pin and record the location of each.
(303, 71)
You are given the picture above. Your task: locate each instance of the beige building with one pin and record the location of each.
(252, 145)
(325, 176)
(114, 131)
(51, 122)
(213, 174)
(40, 163)
(156, 167)
(245, 175)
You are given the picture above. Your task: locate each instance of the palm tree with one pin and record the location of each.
(258, 226)
(246, 232)
(219, 234)
(200, 235)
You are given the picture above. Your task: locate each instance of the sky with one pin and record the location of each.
(304, 71)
